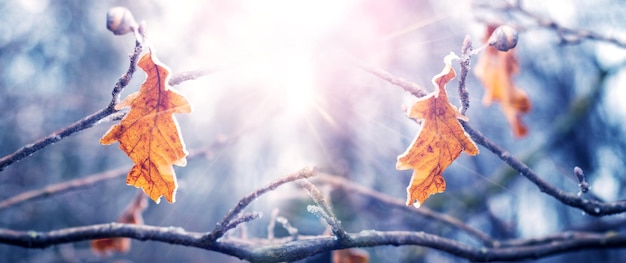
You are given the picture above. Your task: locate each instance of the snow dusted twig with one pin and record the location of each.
(221, 226)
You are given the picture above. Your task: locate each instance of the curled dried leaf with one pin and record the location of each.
(350, 255)
(439, 143)
(131, 215)
(495, 69)
(149, 134)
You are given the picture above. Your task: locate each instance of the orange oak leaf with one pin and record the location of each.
(131, 215)
(350, 255)
(438, 144)
(149, 134)
(495, 69)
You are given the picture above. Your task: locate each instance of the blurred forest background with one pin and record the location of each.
(283, 94)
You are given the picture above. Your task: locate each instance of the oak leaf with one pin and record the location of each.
(350, 255)
(131, 215)
(438, 144)
(149, 133)
(495, 69)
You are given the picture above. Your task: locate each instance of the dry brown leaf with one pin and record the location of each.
(149, 134)
(131, 215)
(350, 255)
(495, 69)
(439, 143)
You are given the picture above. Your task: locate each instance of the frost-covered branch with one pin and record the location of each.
(323, 209)
(394, 203)
(566, 35)
(222, 226)
(309, 246)
(64, 187)
(408, 86)
(590, 206)
(90, 180)
(79, 125)
(299, 247)
(97, 117)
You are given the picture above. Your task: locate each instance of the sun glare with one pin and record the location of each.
(301, 18)
(290, 31)
(298, 84)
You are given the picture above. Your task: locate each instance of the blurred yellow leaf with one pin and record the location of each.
(131, 215)
(495, 69)
(350, 255)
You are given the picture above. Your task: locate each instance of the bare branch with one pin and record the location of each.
(466, 51)
(181, 77)
(400, 204)
(123, 81)
(80, 125)
(99, 116)
(88, 181)
(60, 188)
(221, 226)
(590, 206)
(326, 212)
(54, 137)
(299, 249)
(272, 224)
(566, 35)
(408, 86)
(582, 181)
(242, 218)
(293, 232)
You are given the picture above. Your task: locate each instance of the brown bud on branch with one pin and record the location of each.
(582, 181)
(120, 21)
(503, 38)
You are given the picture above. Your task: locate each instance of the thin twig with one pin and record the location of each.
(466, 50)
(54, 137)
(80, 125)
(321, 214)
(181, 77)
(272, 224)
(328, 215)
(220, 227)
(123, 81)
(567, 35)
(590, 206)
(408, 86)
(582, 180)
(102, 115)
(64, 187)
(242, 218)
(293, 232)
(391, 202)
(88, 181)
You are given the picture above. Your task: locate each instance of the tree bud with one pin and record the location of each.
(120, 20)
(503, 38)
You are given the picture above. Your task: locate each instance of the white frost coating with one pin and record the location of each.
(449, 58)
(368, 232)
